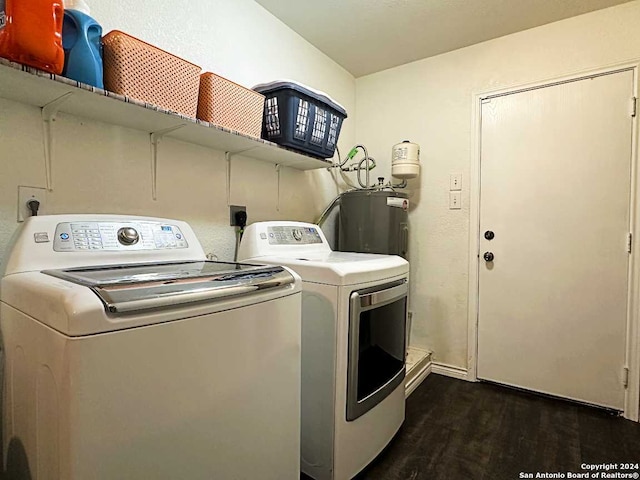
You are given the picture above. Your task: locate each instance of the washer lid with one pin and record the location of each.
(135, 287)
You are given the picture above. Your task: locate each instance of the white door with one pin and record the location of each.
(555, 191)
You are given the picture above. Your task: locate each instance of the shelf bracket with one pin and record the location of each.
(156, 138)
(278, 166)
(227, 157)
(49, 113)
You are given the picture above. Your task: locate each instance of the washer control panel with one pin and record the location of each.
(83, 236)
(287, 235)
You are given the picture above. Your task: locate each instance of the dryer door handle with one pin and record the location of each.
(379, 297)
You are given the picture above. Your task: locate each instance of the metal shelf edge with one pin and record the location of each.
(34, 87)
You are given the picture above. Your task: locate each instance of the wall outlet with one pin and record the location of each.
(25, 194)
(454, 201)
(233, 209)
(455, 182)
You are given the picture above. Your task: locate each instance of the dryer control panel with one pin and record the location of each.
(83, 236)
(289, 235)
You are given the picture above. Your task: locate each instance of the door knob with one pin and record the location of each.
(488, 257)
(489, 235)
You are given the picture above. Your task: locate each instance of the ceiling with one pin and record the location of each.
(366, 36)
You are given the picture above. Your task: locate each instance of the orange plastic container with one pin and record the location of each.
(136, 69)
(31, 33)
(230, 105)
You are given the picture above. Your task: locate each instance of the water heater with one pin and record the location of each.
(373, 221)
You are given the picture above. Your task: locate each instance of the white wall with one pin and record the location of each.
(104, 168)
(430, 102)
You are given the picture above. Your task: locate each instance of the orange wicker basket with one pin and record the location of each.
(230, 105)
(139, 70)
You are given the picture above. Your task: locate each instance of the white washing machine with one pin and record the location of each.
(129, 356)
(354, 309)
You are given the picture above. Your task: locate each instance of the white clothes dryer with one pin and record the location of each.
(354, 309)
(130, 356)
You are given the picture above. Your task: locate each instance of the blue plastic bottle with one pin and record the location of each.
(81, 40)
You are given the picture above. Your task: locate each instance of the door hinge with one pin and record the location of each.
(629, 242)
(625, 377)
(634, 106)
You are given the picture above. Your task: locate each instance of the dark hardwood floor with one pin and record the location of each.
(461, 430)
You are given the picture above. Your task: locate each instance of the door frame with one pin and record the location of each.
(632, 353)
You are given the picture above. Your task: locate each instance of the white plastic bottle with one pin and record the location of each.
(79, 5)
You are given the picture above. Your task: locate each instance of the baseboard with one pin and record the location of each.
(416, 380)
(449, 370)
(418, 362)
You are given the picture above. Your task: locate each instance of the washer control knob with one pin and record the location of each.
(297, 234)
(128, 236)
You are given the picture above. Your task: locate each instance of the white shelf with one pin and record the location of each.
(34, 87)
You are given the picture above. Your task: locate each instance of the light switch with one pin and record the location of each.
(455, 182)
(454, 201)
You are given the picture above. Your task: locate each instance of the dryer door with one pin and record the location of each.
(377, 327)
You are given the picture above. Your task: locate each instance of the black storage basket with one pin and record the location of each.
(299, 118)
